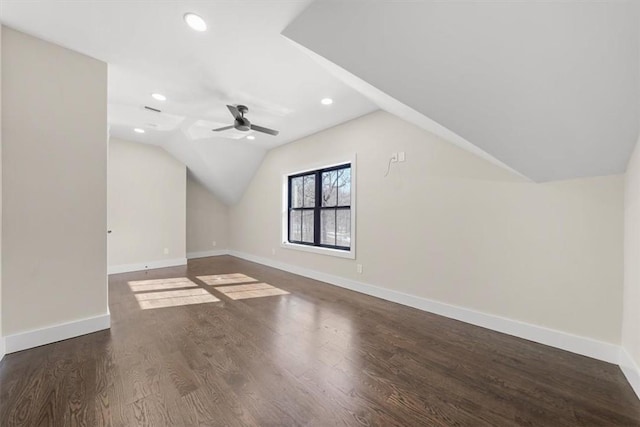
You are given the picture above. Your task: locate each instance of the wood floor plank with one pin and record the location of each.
(317, 356)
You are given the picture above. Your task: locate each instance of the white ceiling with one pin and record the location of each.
(241, 59)
(549, 88)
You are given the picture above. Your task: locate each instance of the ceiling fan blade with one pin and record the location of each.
(224, 128)
(234, 111)
(264, 130)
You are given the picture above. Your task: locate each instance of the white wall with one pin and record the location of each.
(451, 227)
(2, 347)
(54, 169)
(147, 209)
(630, 351)
(630, 359)
(207, 221)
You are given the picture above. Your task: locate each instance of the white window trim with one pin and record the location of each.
(351, 254)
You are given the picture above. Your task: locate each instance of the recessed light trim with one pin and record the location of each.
(326, 101)
(138, 130)
(195, 22)
(251, 137)
(158, 97)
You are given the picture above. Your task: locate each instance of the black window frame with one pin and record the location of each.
(318, 208)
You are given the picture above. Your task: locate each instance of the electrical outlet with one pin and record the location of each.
(215, 243)
(166, 251)
(273, 251)
(401, 156)
(359, 268)
(394, 157)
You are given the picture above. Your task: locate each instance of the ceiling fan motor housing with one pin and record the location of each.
(242, 124)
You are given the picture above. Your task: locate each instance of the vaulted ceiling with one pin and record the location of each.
(550, 89)
(547, 89)
(241, 59)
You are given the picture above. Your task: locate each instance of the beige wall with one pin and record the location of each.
(2, 347)
(147, 213)
(631, 310)
(207, 220)
(54, 166)
(448, 226)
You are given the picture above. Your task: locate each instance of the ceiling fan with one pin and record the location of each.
(242, 123)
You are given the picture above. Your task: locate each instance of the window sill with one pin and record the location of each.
(351, 254)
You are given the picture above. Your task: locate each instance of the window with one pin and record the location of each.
(319, 208)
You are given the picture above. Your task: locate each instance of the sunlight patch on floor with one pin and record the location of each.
(160, 284)
(174, 298)
(226, 279)
(171, 292)
(254, 290)
(178, 291)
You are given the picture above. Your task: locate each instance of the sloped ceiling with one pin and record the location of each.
(547, 89)
(241, 59)
(551, 89)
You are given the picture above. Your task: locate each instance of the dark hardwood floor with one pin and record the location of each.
(317, 356)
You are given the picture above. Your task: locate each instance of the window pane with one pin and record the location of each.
(343, 228)
(309, 191)
(328, 227)
(295, 225)
(296, 192)
(330, 198)
(344, 187)
(329, 188)
(307, 226)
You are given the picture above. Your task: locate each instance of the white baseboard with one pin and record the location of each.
(630, 370)
(140, 266)
(566, 341)
(3, 348)
(203, 254)
(38, 337)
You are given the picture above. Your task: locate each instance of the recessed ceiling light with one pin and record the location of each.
(158, 97)
(138, 130)
(251, 137)
(327, 101)
(195, 22)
